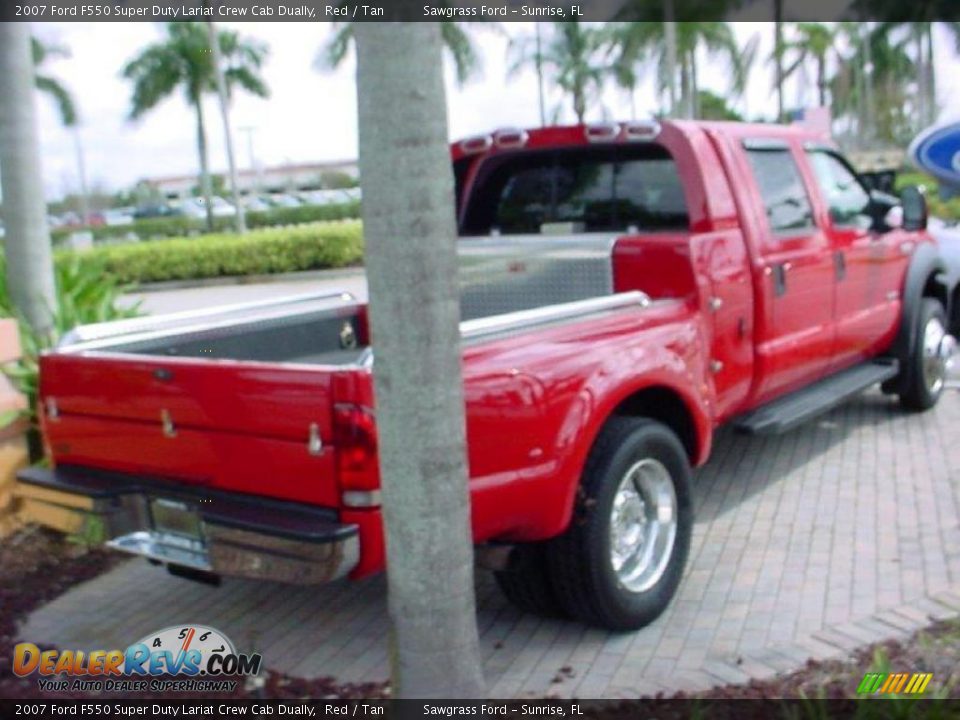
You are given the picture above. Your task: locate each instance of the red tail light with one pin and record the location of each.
(355, 440)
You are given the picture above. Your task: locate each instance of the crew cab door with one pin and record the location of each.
(865, 310)
(793, 274)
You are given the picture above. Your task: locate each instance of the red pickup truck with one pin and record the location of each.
(626, 289)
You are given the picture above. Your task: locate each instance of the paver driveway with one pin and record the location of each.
(843, 532)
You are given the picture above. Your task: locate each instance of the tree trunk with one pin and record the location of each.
(411, 261)
(82, 175)
(694, 85)
(670, 43)
(932, 108)
(27, 240)
(206, 187)
(225, 115)
(543, 110)
(921, 70)
(684, 87)
(778, 55)
(868, 86)
(579, 103)
(822, 80)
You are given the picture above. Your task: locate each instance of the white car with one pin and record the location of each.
(323, 197)
(194, 208)
(118, 217)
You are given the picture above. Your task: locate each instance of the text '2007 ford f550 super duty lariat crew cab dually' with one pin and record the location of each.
(626, 288)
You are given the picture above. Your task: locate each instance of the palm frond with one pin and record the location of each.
(61, 96)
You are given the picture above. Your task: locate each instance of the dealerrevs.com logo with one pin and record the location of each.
(196, 655)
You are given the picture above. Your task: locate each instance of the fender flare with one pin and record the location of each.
(925, 265)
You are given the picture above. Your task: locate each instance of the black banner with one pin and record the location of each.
(435, 709)
(470, 10)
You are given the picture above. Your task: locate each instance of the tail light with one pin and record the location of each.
(46, 411)
(355, 440)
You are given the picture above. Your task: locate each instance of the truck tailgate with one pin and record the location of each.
(224, 424)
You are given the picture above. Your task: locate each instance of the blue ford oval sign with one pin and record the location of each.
(937, 150)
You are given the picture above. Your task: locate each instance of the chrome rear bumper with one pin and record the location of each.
(225, 534)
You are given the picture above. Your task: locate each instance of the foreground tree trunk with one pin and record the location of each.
(411, 261)
(27, 241)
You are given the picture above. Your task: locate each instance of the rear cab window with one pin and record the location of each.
(613, 188)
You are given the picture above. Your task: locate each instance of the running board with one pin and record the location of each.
(798, 407)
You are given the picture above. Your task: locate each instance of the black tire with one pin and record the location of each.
(918, 394)
(526, 581)
(581, 564)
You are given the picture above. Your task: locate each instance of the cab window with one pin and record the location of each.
(784, 196)
(846, 198)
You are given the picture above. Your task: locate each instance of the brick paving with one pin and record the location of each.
(841, 533)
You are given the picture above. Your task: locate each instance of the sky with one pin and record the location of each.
(311, 115)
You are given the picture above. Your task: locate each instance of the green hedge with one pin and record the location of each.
(267, 250)
(179, 226)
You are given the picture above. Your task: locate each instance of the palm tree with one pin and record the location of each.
(569, 58)
(871, 85)
(812, 41)
(532, 47)
(66, 107)
(456, 41)
(42, 52)
(183, 59)
(638, 42)
(921, 35)
(408, 219)
(27, 240)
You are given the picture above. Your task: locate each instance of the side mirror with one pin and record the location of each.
(914, 205)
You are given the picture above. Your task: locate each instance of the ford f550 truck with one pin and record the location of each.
(626, 289)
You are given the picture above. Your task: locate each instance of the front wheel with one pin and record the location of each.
(619, 563)
(927, 371)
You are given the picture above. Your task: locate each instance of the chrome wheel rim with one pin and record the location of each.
(643, 525)
(935, 355)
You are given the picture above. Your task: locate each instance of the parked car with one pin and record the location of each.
(156, 210)
(625, 289)
(195, 208)
(283, 200)
(118, 217)
(324, 197)
(254, 203)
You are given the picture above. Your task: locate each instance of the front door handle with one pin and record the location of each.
(780, 278)
(840, 264)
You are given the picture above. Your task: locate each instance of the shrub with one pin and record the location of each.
(263, 251)
(85, 294)
(180, 226)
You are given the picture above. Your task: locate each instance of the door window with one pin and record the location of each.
(847, 200)
(784, 197)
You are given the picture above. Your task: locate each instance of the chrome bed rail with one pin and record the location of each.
(510, 323)
(158, 325)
